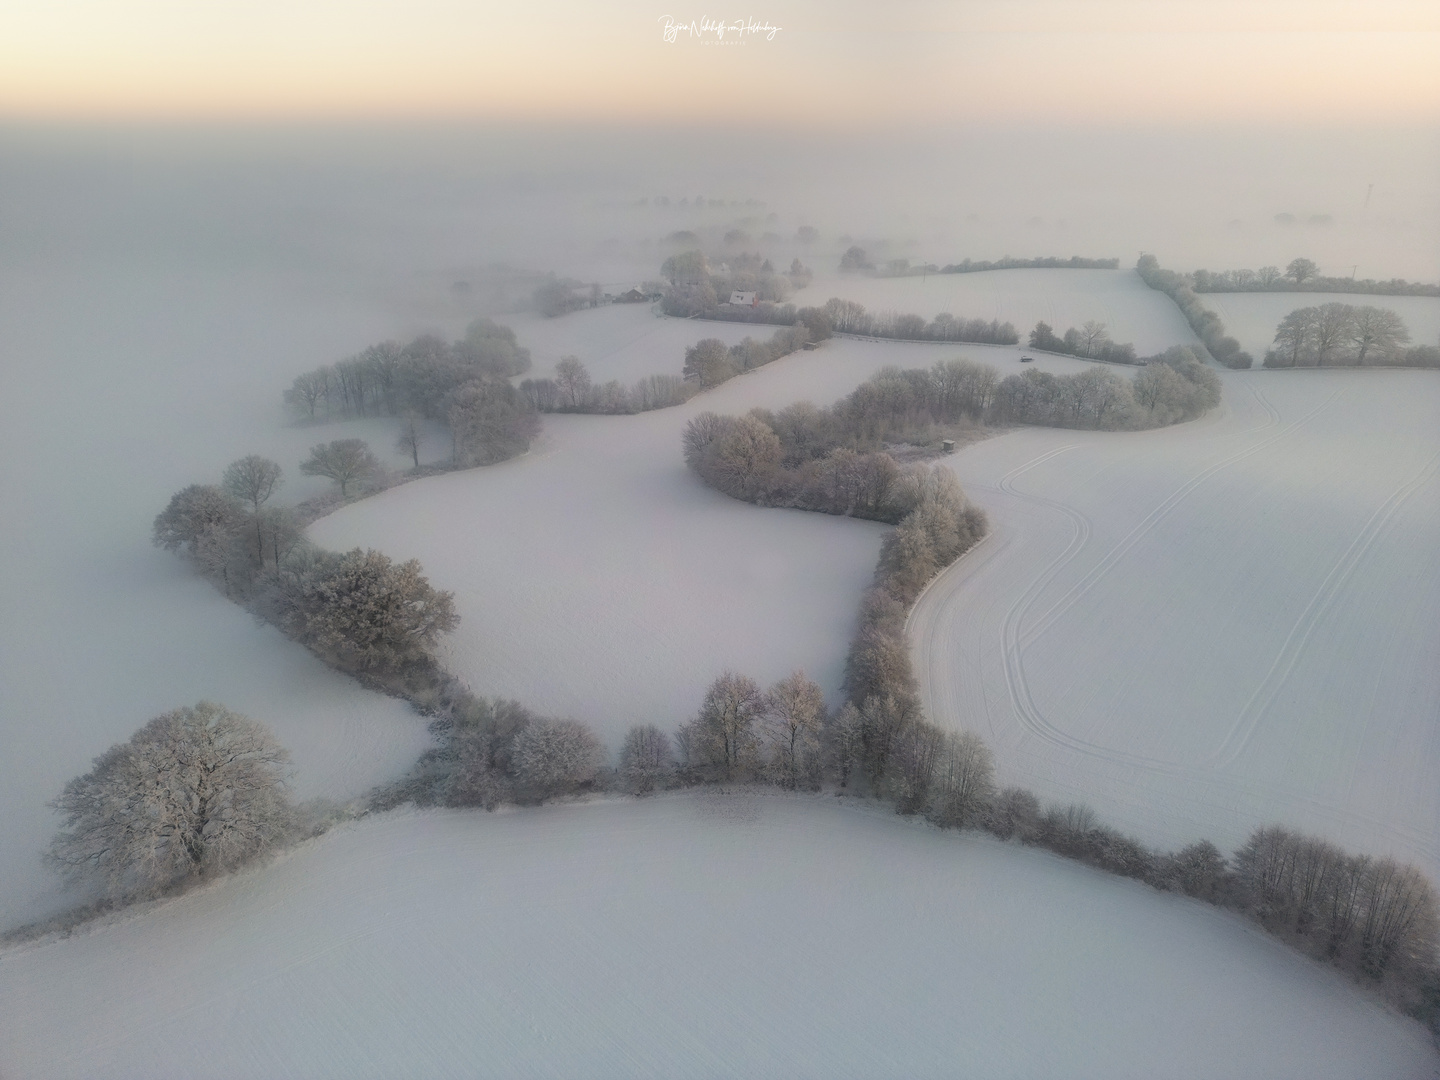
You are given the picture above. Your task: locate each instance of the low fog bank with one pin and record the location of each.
(400, 204)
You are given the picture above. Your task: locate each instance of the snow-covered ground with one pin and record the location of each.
(596, 577)
(1251, 318)
(684, 936)
(1207, 627)
(1063, 298)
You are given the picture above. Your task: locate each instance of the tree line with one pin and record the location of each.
(1090, 342)
(1346, 335)
(1303, 275)
(856, 258)
(1204, 322)
(357, 611)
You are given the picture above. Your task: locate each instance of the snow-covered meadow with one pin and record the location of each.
(1207, 627)
(1251, 318)
(597, 578)
(752, 935)
(1130, 310)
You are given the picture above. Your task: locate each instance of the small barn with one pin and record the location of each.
(744, 299)
(634, 296)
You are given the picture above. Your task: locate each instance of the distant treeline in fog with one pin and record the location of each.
(1206, 324)
(1346, 335)
(857, 258)
(1303, 275)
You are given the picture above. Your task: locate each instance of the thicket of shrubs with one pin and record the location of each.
(1346, 335)
(1206, 324)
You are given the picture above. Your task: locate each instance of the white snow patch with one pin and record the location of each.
(692, 935)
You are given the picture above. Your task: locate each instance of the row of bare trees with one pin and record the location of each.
(1344, 335)
(1090, 342)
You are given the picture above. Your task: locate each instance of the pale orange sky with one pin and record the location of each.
(830, 64)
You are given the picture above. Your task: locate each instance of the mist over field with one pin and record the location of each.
(161, 285)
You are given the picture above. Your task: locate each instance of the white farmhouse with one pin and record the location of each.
(743, 299)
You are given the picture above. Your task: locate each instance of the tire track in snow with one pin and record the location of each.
(1159, 514)
(1254, 710)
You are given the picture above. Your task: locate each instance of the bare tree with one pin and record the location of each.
(1093, 336)
(727, 720)
(1268, 275)
(794, 712)
(708, 363)
(1294, 334)
(252, 480)
(645, 757)
(1332, 328)
(344, 461)
(1301, 270)
(963, 781)
(573, 380)
(1378, 329)
(196, 789)
(408, 441)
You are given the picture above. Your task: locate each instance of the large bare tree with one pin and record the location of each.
(343, 460)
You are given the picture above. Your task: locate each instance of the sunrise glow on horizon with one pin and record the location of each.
(823, 66)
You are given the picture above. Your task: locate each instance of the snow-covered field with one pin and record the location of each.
(1207, 627)
(689, 935)
(1251, 318)
(596, 577)
(1063, 298)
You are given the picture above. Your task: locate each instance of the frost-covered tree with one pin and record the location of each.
(408, 441)
(794, 711)
(365, 613)
(252, 479)
(553, 757)
(1376, 330)
(573, 381)
(343, 460)
(196, 789)
(725, 728)
(708, 362)
(1301, 270)
(963, 781)
(645, 758)
(195, 517)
